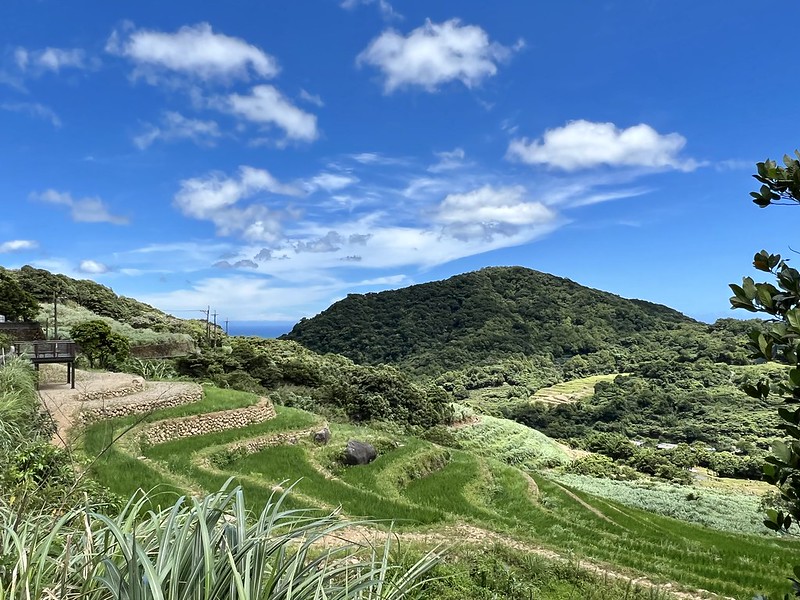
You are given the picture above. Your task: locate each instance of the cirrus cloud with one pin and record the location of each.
(82, 210)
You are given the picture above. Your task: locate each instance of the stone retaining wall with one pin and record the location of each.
(253, 445)
(136, 386)
(190, 394)
(209, 423)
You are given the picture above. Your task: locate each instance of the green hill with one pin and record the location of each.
(150, 331)
(495, 313)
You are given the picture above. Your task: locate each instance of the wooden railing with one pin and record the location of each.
(49, 351)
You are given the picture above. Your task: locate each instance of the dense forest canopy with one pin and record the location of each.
(495, 313)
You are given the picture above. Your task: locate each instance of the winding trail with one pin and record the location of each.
(65, 404)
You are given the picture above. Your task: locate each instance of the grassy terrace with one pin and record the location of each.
(422, 486)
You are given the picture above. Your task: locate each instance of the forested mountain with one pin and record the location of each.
(495, 313)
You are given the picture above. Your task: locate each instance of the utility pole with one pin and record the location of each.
(55, 316)
(215, 329)
(226, 326)
(208, 326)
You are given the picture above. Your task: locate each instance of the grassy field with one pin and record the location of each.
(425, 488)
(508, 441)
(571, 391)
(736, 511)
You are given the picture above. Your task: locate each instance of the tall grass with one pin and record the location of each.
(209, 548)
(18, 402)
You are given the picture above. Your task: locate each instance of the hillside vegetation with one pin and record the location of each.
(150, 331)
(497, 313)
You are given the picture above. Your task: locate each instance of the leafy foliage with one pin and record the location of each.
(15, 302)
(781, 341)
(100, 344)
(779, 183)
(330, 384)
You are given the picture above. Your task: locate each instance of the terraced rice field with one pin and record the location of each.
(424, 489)
(571, 391)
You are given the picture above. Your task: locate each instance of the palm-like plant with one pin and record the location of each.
(201, 549)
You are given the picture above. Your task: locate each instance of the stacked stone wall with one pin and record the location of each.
(186, 394)
(209, 423)
(136, 386)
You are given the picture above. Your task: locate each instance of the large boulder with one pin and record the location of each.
(323, 436)
(359, 453)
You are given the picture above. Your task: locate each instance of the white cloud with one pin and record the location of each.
(195, 51)
(330, 182)
(50, 59)
(215, 197)
(488, 210)
(585, 144)
(448, 161)
(93, 267)
(256, 298)
(18, 246)
(83, 210)
(387, 10)
(435, 54)
(266, 105)
(311, 98)
(174, 126)
(34, 109)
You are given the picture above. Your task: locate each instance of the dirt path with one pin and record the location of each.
(64, 403)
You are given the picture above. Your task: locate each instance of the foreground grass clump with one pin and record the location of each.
(210, 548)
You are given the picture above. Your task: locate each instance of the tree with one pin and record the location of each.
(780, 341)
(100, 344)
(16, 303)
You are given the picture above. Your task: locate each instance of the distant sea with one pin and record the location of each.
(264, 329)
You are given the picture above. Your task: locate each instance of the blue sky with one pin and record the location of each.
(268, 158)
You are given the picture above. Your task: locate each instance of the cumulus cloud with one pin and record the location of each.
(194, 51)
(266, 254)
(92, 267)
(330, 242)
(215, 197)
(34, 109)
(435, 54)
(585, 144)
(82, 210)
(488, 210)
(265, 105)
(239, 264)
(50, 59)
(18, 246)
(174, 126)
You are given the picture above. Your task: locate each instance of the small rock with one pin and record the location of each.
(359, 453)
(323, 436)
